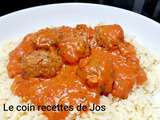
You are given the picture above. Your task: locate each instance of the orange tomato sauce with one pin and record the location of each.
(86, 62)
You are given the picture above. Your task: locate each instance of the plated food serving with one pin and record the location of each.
(99, 69)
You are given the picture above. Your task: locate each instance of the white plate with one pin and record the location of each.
(18, 24)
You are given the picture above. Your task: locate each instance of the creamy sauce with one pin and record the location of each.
(65, 88)
(95, 62)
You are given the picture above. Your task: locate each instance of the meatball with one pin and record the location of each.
(125, 75)
(122, 87)
(109, 36)
(45, 38)
(126, 49)
(89, 32)
(14, 66)
(41, 63)
(72, 45)
(96, 70)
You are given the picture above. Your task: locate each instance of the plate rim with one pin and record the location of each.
(75, 4)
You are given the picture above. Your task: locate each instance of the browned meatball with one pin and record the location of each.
(41, 63)
(96, 70)
(45, 38)
(109, 36)
(72, 45)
